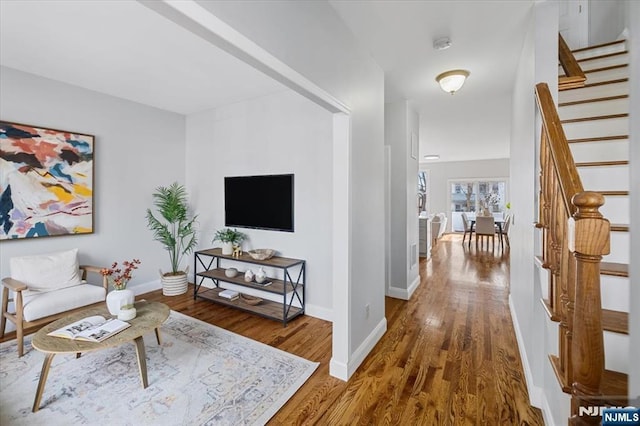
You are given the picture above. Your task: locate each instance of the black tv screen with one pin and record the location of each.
(261, 202)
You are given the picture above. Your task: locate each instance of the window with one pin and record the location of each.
(423, 192)
(470, 196)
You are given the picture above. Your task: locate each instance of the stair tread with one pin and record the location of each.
(609, 68)
(614, 269)
(599, 139)
(615, 321)
(594, 70)
(603, 163)
(598, 46)
(613, 384)
(600, 83)
(591, 100)
(614, 193)
(593, 118)
(606, 268)
(620, 227)
(608, 55)
(549, 310)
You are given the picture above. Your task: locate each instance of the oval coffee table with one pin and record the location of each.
(150, 315)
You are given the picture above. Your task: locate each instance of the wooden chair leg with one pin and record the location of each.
(5, 307)
(19, 323)
(20, 338)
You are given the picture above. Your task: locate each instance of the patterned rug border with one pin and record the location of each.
(16, 384)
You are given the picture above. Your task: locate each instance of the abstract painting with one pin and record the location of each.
(46, 182)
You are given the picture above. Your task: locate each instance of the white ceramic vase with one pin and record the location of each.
(127, 314)
(261, 276)
(118, 298)
(227, 248)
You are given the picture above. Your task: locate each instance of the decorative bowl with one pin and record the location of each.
(261, 254)
(231, 272)
(250, 300)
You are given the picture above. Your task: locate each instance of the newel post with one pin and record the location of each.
(589, 241)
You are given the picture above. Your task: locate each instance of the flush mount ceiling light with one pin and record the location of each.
(432, 157)
(452, 81)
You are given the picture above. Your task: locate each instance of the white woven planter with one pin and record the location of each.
(174, 285)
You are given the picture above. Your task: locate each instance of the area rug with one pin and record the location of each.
(201, 375)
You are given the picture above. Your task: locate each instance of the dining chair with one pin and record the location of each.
(466, 223)
(486, 227)
(505, 229)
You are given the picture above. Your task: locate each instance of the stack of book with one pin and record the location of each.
(229, 294)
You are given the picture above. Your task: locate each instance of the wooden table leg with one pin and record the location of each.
(142, 361)
(158, 336)
(43, 379)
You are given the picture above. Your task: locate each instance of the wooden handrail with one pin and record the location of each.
(568, 177)
(575, 236)
(574, 77)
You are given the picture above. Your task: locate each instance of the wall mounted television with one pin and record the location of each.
(259, 202)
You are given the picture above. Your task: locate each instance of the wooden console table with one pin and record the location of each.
(208, 265)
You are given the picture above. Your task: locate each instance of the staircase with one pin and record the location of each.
(595, 120)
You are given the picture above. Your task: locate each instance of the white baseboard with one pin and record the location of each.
(413, 286)
(344, 371)
(367, 346)
(404, 293)
(146, 287)
(339, 370)
(536, 394)
(546, 409)
(319, 312)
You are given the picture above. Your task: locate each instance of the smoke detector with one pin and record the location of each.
(442, 43)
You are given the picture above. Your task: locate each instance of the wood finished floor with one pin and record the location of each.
(449, 356)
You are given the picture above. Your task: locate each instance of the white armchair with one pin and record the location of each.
(45, 288)
(438, 226)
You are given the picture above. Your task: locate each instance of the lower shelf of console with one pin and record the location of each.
(266, 308)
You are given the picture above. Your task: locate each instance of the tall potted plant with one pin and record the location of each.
(175, 231)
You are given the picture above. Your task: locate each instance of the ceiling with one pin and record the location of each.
(486, 36)
(124, 49)
(99, 45)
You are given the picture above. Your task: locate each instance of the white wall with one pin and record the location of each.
(606, 20)
(276, 134)
(411, 191)
(441, 173)
(137, 148)
(633, 24)
(528, 319)
(537, 335)
(401, 124)
(311, 39)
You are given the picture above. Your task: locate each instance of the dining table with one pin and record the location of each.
(499, 221)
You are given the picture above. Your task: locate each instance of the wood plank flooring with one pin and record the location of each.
(449, 356)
